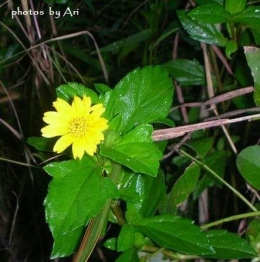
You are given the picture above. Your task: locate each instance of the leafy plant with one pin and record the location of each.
(176, 152)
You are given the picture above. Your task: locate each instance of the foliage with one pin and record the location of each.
(172, 75)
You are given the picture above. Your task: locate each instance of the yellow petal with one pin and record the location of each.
(52, 131)
(62, 106)
(78, 149)
(62, 143)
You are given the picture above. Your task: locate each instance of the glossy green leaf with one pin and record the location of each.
(71, 89)
(76, 193)
(253, 60)
(235, 6)
(210, 13)
(126, 238)
(229, 246)
(150, 192)
(129, 255)
(201, 31)
(175, 233)
(134, 150)
(185, 185)
(248, 164)
(142, 96)
(187, 72)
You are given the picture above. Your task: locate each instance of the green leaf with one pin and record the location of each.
(126, 238)
(212, 161)
(129, 255)
(248, 164)
(76, 193)
(130, 40)
(253, 234)
(175, 233)
(201, 31)
(150, 192)
(67, 243)
(185, 185)
(111, 243)
(142, 96)
(71, 89)
(235, 6)
(253, 60)
(42, 143)
(229, 246)
(210, 13)
(134, 150)
(201, 145)
(187, 72)
(230, 48)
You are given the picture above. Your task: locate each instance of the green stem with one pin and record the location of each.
(228, 219)
(166, 252)
(215, 175)
(96, 225)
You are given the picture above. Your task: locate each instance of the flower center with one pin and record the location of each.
(78, 127)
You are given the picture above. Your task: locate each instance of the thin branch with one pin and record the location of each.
(169, 133)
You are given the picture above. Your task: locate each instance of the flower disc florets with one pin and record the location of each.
(78, 124)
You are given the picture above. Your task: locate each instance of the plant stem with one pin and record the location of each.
(215, 175)
(231, 218)
(166, 252)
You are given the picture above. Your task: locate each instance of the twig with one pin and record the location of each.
(169, 133)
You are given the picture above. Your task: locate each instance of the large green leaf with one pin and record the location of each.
(187, 72)
(142, 96)
(201, 31)
(248, 163)
(76, 193)
(210, 13)
(253, 60)
(185, 185)
(135, 150)
(229, 246)
(175, 233)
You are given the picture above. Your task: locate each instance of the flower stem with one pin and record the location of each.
(215, 175)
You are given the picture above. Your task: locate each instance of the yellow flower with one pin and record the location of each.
(78, 124)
